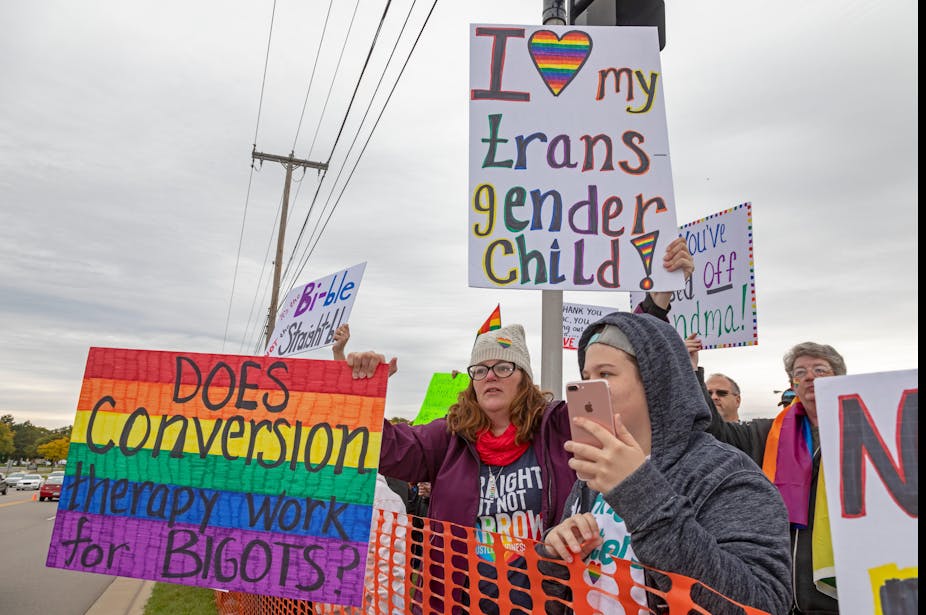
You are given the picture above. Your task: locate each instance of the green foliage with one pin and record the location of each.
(54, 451)
(6, 441)
(173, 599)
(23, 440)
(63, 432)
(25, 437)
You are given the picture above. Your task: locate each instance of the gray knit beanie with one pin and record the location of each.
(610, 335)
(505, 344)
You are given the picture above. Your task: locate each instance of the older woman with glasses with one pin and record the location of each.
(788, 449)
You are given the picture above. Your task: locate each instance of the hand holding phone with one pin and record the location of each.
(590, 399)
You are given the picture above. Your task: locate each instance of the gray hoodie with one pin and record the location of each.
(696, 507)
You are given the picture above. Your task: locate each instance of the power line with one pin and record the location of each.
(369, 137)
(337, 139)
(263, 81)
(321, 116)
(314, 242)
(308, 90)
(247, 197)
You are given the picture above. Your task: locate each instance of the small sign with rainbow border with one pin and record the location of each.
(718, 303)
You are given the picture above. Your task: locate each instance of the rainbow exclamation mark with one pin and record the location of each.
(646, 246)
(594, 571)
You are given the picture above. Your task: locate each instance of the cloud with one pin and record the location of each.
(128, 133)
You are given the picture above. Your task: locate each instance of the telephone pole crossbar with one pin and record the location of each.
(289, 163)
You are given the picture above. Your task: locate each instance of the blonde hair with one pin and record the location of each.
(466, 419)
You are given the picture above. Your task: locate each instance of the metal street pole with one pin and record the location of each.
(551, 301)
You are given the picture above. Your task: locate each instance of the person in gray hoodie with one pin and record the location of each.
(663, 492)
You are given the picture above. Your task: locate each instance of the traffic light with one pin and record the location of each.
(620, 13)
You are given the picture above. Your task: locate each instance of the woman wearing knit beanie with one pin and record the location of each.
(495, 461)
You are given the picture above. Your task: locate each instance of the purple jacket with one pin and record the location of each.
(430, 453)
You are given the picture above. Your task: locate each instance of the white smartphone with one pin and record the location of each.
(590, 399)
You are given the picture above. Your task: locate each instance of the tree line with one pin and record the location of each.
(27, 441)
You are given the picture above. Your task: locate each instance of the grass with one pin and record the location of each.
(173, 599)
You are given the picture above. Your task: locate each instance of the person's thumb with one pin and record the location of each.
(393, 365)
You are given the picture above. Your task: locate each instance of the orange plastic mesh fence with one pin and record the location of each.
(450, 568)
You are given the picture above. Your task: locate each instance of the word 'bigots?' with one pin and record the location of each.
(224, 556)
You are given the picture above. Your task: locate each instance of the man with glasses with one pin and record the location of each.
(788, 449)
(725, 394)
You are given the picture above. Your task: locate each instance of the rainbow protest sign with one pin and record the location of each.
(253, 474)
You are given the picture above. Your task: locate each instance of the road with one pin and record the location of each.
(26, 586)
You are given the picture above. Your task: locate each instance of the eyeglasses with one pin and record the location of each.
(502, 369)
(818, 371)
(718, 392)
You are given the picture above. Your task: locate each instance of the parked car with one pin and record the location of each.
(29, 481)
(51, 488)
(3, 485)
(13, 479)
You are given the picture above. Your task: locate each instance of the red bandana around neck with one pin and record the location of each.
(499, 450)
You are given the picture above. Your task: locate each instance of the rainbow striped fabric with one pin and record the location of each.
(494, 321)
(251, 474)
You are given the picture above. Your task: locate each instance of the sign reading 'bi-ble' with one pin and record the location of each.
(252, 474)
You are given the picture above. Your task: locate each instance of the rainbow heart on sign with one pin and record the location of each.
(558, 60)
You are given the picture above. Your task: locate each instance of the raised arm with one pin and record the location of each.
(341, 336)
(677, 257)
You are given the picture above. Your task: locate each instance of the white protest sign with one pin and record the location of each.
(310, 313)
(570, 185)
(869, 442)
(576, 317)
(719, 301)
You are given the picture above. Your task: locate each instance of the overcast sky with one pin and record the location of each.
(126, 131)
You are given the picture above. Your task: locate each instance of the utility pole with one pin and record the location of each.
(289, 163)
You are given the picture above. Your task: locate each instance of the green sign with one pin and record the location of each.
(441, 394)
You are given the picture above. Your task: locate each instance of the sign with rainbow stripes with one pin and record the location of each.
(570, 183)
(253, 474)
(718, 303)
